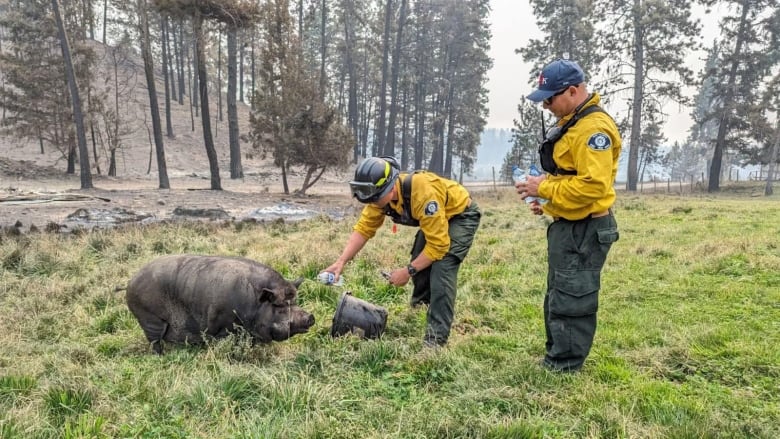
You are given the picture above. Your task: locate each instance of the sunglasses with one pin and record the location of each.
(549, 100)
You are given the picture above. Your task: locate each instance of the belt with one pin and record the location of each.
(590, 216)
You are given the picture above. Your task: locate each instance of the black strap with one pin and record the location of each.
(580, 115)
(547, 146)
(406, 217)
(406, 190)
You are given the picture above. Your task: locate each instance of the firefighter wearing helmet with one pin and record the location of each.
(447, 219)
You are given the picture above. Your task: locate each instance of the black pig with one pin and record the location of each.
(178, 298)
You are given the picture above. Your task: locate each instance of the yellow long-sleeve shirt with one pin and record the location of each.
(592, 148)
(434, 200)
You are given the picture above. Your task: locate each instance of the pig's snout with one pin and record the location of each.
(301, 322)
(306, 322)
(298, 321)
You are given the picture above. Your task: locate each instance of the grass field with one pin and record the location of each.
(687, 344)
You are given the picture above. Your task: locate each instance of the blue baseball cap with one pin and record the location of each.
(555, 77)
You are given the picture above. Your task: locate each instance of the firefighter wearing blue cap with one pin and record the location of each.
(447, 218)
(580, 156)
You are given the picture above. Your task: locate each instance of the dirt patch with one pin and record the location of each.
(33, 196)
(42, 197)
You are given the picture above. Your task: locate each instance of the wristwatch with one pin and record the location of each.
(412, 271)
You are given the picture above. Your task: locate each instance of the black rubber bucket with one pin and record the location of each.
(356, 316)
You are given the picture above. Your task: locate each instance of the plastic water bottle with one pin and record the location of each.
(534, 171)
(329, 278)
(519, 175)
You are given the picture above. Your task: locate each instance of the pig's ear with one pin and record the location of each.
(297, 282)
(268, 295)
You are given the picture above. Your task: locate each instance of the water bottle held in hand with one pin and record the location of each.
(519, 175)
(328, 278)
(534, 171)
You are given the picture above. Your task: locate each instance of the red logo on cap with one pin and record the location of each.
(542, 79)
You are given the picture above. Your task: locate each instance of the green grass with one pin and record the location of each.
(686, 344)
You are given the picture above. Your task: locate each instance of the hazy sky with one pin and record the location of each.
(513, 24)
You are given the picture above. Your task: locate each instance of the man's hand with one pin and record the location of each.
(399, 277)
(336, 268)
(536, 208)
(529, 187)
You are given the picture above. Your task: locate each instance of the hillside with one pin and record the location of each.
(185, 153)
(32, 183)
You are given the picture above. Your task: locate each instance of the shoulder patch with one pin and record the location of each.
(431, 208)
(599, 142)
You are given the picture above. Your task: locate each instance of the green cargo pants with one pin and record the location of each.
(576, 251)
(437, 284)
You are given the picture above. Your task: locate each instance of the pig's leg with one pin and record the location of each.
(154, 328)
(215, 324)
(184, 329)
(157, 344)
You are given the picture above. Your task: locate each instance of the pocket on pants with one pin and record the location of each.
(574, 293)
(608, 236)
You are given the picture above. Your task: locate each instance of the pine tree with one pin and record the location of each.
(117, 87)
(467, 106)
(689, 159)
(398, 54)
(35, 97)
(78, 115)
(771, 103)
(290, 120)
(568, 31)
(233, 13)
(651, 140)
(647, 41)
(387, 30)
(526, 135)
(151, 85)
(703, 132)
(740, 74)
(462, 38)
